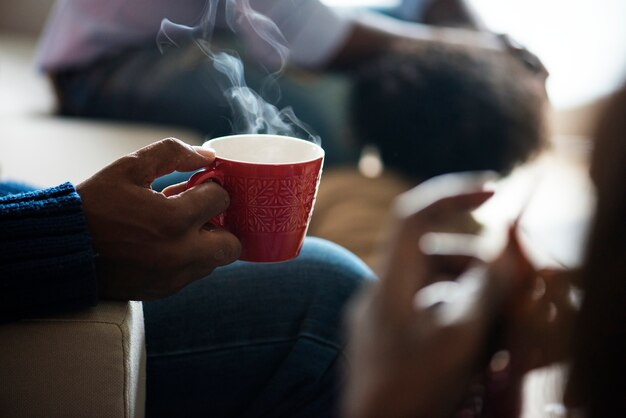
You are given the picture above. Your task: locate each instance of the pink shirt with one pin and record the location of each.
(81, 31)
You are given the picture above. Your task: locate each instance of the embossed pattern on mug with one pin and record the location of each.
(271, 204)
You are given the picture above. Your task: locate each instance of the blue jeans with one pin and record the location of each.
(254, 340)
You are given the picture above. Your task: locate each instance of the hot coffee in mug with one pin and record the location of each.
(272, 181)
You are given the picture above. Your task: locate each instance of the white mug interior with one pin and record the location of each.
(265, 149)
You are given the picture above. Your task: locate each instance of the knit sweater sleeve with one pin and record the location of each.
(46, 256)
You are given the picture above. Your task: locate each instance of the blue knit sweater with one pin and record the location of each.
(46, 256)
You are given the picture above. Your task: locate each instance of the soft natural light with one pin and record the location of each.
(581, 42)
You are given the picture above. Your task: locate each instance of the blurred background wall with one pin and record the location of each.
(23, 16)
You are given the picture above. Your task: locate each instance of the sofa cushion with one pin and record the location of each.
(85, 364)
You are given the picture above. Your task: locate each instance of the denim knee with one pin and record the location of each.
(325, 277)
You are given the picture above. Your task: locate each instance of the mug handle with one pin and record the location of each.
(202, 176)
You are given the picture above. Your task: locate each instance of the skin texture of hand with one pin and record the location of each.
(410, 354)
(536, 327)
(148, 244)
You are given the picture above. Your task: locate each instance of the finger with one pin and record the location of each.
(456, 244)
(404, 269)
(402, 272)
(513, 270)
(464, 295)
(191, 258)
(449, 266)
(450, 207)
(442, 187)
(522, 265)
(164, 157)
(201, 203)
(215, 247)
(174, 189)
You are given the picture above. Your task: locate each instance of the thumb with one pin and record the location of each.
(166, 156)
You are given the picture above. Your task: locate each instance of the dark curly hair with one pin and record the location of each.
(443, 109)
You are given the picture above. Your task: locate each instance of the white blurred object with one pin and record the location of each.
(557, 199)
(581, 42)
(370, 164)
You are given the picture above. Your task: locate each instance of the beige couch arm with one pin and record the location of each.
(87, 364)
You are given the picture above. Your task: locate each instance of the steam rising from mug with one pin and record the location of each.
(251, 113)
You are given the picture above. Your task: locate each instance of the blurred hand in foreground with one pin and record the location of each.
(534, 329)
(416, 335)
(148, 244)
(423, 336)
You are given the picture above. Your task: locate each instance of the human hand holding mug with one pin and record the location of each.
(272, 181)
(148, 244)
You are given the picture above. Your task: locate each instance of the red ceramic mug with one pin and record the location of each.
(272, 181)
